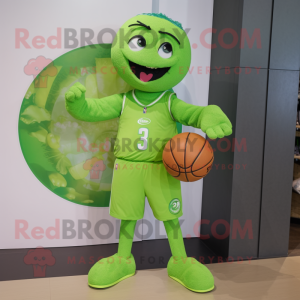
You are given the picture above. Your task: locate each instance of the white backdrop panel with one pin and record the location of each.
(197, 15)
(23, 196)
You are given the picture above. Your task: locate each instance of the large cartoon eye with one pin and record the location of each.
(165, 50)
(137, 43)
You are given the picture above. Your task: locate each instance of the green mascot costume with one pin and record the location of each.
(152, 53)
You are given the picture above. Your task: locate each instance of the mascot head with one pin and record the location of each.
(151, 52)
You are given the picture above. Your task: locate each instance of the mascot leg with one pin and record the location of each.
(111, 270)
(126, 238)
(186, 270)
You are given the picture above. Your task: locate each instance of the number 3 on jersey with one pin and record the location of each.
(144, 139)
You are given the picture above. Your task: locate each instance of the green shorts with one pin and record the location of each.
(133, 181)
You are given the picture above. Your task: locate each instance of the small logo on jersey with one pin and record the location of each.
(174, 206)
(144, 121)
(144, 110)
(116, 166)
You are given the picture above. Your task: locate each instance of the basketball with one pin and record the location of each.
(188, 156)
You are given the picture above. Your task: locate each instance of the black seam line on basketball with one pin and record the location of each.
(173, 154)
(198, 176)
(186, 168)
(172, 169)
(187, 138)
(179, 173)
(198, 154)
(203, 166)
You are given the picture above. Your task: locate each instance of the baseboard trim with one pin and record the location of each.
(70, 261)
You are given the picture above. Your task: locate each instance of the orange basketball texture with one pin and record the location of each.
(188, 156)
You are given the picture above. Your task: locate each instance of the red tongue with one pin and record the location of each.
(144, 77)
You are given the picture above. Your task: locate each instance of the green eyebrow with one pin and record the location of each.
(140, 24)
(173, 36)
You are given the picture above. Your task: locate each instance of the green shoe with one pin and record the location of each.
(191, 274)
(111, 270)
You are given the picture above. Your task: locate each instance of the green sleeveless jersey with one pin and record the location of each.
(144, 130)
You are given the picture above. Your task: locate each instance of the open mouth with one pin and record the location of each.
(146, 74)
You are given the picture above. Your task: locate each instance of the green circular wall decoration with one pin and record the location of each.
(73, 159)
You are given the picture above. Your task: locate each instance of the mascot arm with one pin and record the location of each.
(210, 119)
(92, 110)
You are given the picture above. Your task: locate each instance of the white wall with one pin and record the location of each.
(196, 15)
(23, 196)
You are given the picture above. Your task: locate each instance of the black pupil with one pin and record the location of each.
(141, 42)
(167, 47)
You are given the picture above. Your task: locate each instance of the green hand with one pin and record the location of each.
(75, 93)
(214, 122)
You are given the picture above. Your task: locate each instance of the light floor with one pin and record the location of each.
(277, 278)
